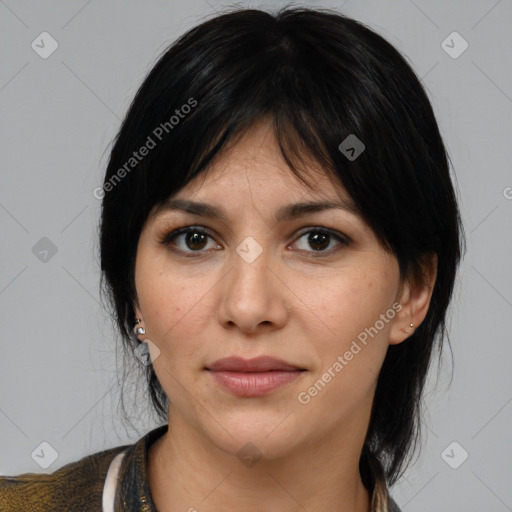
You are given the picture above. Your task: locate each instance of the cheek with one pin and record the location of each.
(348, 318)
(352, 300)
(167, 307)
(175, 310)
(350, 342)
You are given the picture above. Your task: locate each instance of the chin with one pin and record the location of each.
(258, 436)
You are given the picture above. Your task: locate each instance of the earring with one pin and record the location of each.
(139, 330)
(407, 332)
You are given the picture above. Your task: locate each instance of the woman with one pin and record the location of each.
(279, 238)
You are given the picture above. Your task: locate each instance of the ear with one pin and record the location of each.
(141, 336)
(414, 296)
(136, 309)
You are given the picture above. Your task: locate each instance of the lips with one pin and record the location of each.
(250, 378)
(258, 364)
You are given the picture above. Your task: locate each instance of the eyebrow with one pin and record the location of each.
(288, 212)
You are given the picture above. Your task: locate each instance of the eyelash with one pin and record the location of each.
(169, 237)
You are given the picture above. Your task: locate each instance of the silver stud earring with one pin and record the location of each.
(137, 329)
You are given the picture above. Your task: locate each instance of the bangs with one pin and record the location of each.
(299, 147)
(280, 86)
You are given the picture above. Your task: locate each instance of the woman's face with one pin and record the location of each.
(263, 284)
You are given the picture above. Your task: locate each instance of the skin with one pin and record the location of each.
(287, 303)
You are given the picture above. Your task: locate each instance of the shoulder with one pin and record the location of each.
(77, 486)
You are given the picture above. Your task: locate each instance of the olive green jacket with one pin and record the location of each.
(81, 486)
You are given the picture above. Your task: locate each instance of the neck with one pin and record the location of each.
(187, 472)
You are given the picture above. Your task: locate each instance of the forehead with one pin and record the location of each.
(252, 173)
(255, 165)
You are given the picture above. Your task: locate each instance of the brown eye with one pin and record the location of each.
(320, 239)
(196, 240)
(189, 240)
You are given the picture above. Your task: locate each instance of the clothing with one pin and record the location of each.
(78, 486)
(83, 486)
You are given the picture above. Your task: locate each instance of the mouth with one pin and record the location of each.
(258, 364)
(253, 377)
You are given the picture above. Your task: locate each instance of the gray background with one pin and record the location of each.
(59, 366)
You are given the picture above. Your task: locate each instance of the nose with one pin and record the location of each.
(254, 296)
